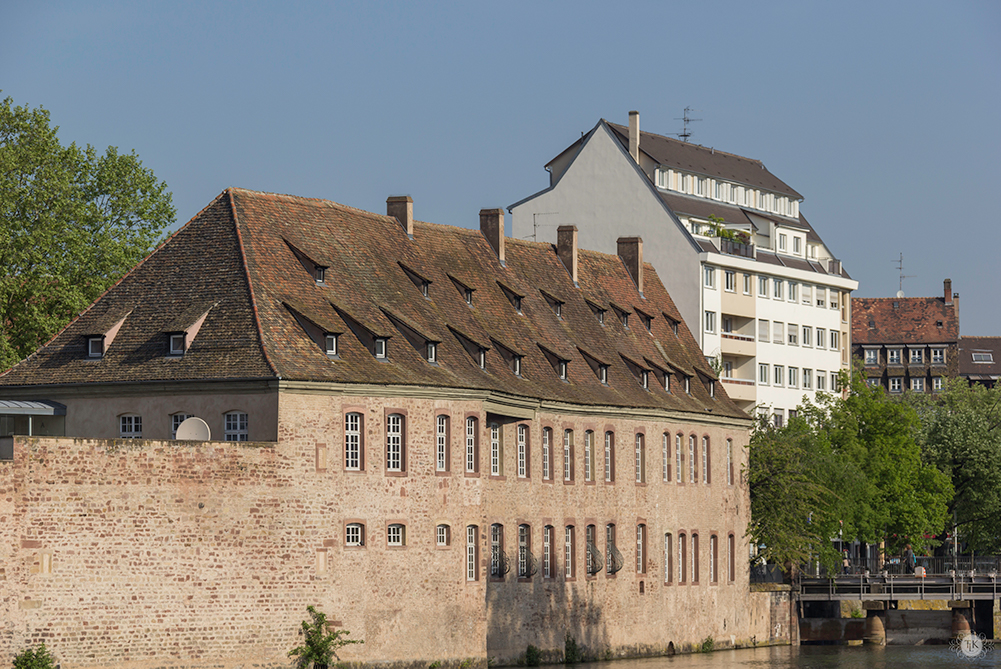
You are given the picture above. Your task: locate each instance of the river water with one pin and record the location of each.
(814, 657)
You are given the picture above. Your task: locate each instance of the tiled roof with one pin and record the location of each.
(705, 160)
(976, 370)
(237, 257)
(903, 320)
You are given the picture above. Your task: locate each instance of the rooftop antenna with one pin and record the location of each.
(535, 224)
(900, 268)
(685, 134)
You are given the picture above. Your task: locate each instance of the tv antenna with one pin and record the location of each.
(535, 224)
(900, 268)
(685, 134)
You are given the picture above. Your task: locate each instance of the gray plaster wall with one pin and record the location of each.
(606, 196)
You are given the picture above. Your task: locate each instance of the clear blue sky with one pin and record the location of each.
(886, 116)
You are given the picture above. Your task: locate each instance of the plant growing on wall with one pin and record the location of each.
(320, 644)
(34, 658)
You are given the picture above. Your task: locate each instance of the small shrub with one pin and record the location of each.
(38, 658)
(533, 656)
(707, 645)
(435, 665)
(320, 645)
(572, 653)
(857, 613)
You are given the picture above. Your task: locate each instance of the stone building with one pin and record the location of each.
(454, 444)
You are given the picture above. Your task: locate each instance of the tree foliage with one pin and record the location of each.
(34, 658)
(848, 464)
(320, 645)
(72, 222)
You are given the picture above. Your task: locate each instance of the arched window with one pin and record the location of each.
(443, 535)
(640, 458)
(609, 456)
(396, 535)
(682, 561)
(668, 558)
(665, 458)
(692, 475)
(526, 563)
(677, 456)
(547, 465)
(713, 557)
(523, 453)
(496, 450)
(731, 557)
(706, 461)
(354, 534)
(498, 563)
(548, 560)
(472, 446)
(568, 455)
(441, 443)
(589, 456)
(641, 549)
(695, 558)
(472, 546)
(729, 461)
(568, 552)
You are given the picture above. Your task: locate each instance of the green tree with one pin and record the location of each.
(320, 645)
(34, 658)
(72, 222)
(960, 434)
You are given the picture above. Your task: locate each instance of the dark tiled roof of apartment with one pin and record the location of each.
(248, 257)
(988, 366)
(708, 161)
(903, 320)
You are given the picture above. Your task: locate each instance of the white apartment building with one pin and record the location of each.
(763, 295)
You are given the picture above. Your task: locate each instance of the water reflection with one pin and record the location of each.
(813, 657)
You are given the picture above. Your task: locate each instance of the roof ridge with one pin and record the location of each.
(711, 149)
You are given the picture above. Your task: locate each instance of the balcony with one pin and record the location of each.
(739, 390)
(730, 247)
(737, 344)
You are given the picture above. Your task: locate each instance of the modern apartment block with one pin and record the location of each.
(763, 294)
(908, 343)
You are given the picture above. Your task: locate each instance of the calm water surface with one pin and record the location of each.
(814, 657)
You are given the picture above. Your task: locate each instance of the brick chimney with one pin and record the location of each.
(630, 249)
(947, 284)
(566, 248)
(401, 207)
(634, 135)
(492, 227)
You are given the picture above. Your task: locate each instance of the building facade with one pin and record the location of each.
(454, 444)
(980, 360)
(907, 343)
(763, 295)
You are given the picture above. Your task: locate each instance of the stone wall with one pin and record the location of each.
(148, 554)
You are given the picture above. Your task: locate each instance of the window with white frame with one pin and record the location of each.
(330, 344)
(918, 385)
(821, 337)
(835, 382)
(236, 426)
(782, 242)
(380, 348)
(763, 373)
(777, 286)
(983, 356)
(730, 281)
(175, 422)
(807, 336)
(471, 439)
(522, 451)
(640, 459)
(797, 245)
(588, 456)
(709, 276)
(821, 296)
(472, 573)
(609, 457)
(677, 457)
(394, 442)
(778, 418)
(497, 550)
(547, 438)
(354, 534)
(793, 291)
(130, 426)
(917, 356)
(938, 356)
(95, 347)
(691, 458)
(641, 549)
(568, 561)
(177, 343)
(352, 441)
(778, 378)
(567, 455)
(871, 356)
(705, 461)
(762, 330)
(793, 334)
(893, 356)
(547, 551)
(807, 294)
(524, 546)
(496, 454)
(807, 379)
(834, 299)
(834, 340)
(763, 286)
(441, 443)
(396, 535)
(821, 380)
(896, 384)
(443, 535)
(936, 384)
(665, 456)
(747, 284)
(710, 321)
(793, 377)
(778, 332)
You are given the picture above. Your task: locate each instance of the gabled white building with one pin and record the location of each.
(758, 287)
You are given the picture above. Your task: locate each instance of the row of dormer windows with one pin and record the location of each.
(724, 191)
(914, 356)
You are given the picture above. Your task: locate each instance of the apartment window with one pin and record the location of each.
(917, 356)
(177, 344)
(762, 330)
(763, 286)
(380, 348)
(834, 340)
(443, 535)
(983, 356)
(778, 378)
(807, 336)
(95, 347)
(706, 478)
(354, 534)
(665, 458)
(938, 356)
(130, 427)
(497, 566)
(472, 573)
(793, 377)
(835, 384)
(710, 321)
(918, 385)
(777, 286)
(691, 459)
(793, 291)
(640, 459)
(821, 380)
(747, 284)
(568, 547)
(353, 451)
(682, 555)
(713, 545)
(807, 294)
(782, 242)
(641, 549)
(668, 557)
(763, 373)
(778, 332)
(330, 344)
(588, 456)
(396, 535)
(729, 281)
(441, 443)
(821, 337)
(547, 551)
(797, 245)
(472, 444)
(778, 418)
(611, 564)
(807, 379)
(394, 443)
(871, 356)
(731, 557)
(896, 384)
(709, 277)
(568, 455)
(525, 567)
(893, 356)
(834, 299)
(936, 384)
(523, 451)
(319, 274)
(236, 426)
(821, 296)
(496, 450)
(175, 422)
(729, 461)
(547, 438)
(793, 334)
(727, 369)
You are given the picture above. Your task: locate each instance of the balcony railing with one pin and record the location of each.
(739, 382)
(738, 337)
(733, 248)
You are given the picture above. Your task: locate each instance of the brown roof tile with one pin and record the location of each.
(903, 320)
(976, 370)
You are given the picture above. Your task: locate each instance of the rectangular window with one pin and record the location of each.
(730, 281)
(641, 549)
(354, 534)
(871, 356)
(821, 296)
(610, 562)
(793, 291)
(983, 356)
(441, 443)
(834, 340)
(793, 377)
(547, 437)
(131, 427)
(821, 337)
(709, 277)
(835, 384)
(665, 458)
(938, 356)
(807, 294)
(762, 330)
(747, 284)
(793, 334)
(567, 455)
(442, 537)
(472, 572)
(918, 385)
(380, 348)
(394, 443)
(609, 457)
(763, 286)
(524, 548)
(677, 457)
(396, 535)
(778, 418)
(547, 551)
(691, 459)
(778, 332)
(352, 441)
(710, 321)
(777, 285)
(640, 459)
(821, 380)
(175, 422)
(917, 356)
(177, 344)
(797, 245)
(896, 384)
(330, 344)
(729, 461)
(763, 373)
(807, 336)
(778, 378)
(834, 299)
(471, 442)
(893, 356)
(713, 548)
(497, 566)
(588, 456)
(936, 384)
(568, 551)
(782, 242)
(706, 478)
(496, 454)
(522, 451)
(807, 379)
(236, 426)
(95, 347)
(668, 558)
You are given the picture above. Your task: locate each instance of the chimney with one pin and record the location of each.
(492, 227)
(566, 248)
(634, 135)
(947, 284)
(401, 207)
(630, 249)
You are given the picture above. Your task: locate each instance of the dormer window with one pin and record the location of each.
(512, 359)
(467, 295)
(423, 285)
(688, 385)
(432, 352)
(555, 304)
(561, 370)
(177, 344)
(95, 347)
(598, 312)
(512, 297)
(603, 374)
(645, 379)
(516, 365)
(647, 320)
(712, 388)
(320, 274)
(482, 357)
(559, 364)
(622, 315)
(330, 343)
(380, 348)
